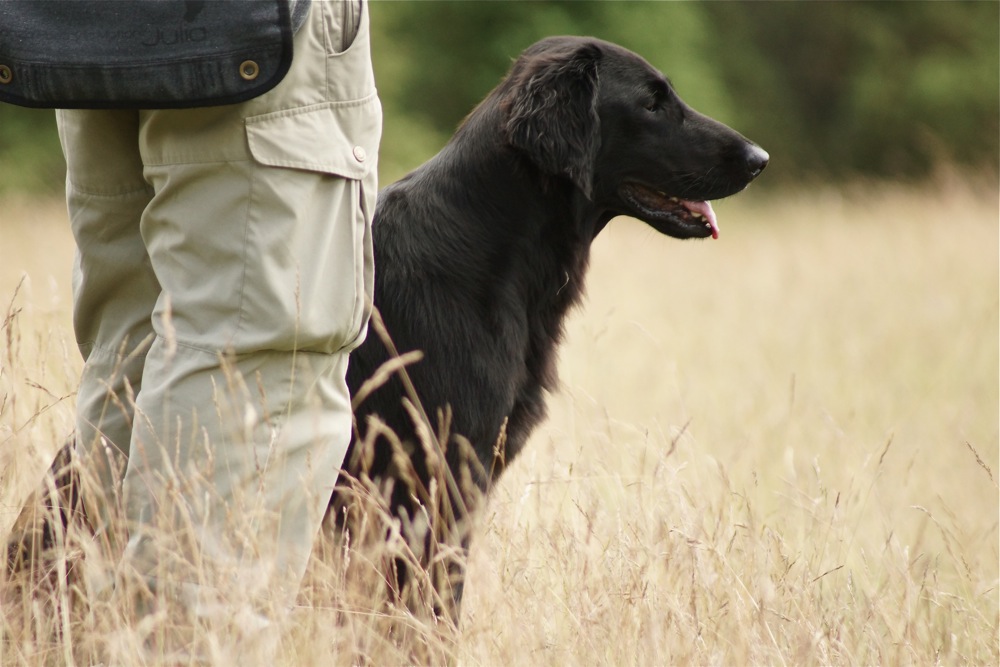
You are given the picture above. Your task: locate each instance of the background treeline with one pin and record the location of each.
(832, 90)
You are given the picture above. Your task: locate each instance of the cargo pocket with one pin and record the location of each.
(309, 255)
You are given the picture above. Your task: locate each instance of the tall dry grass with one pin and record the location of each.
(777, 448)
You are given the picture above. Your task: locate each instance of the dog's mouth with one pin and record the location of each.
(681, 218)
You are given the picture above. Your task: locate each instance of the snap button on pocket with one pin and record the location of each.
(249, 70)
(6, 74)
(330, 137)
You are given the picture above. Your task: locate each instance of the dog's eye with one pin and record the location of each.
(655, 99)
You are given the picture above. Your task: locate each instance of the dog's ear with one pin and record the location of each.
(550, 111)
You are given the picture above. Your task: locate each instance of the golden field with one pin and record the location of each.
(776, 448)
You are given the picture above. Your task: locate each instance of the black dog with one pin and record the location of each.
(482, 250)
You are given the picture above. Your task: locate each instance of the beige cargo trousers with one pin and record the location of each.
(224, 272)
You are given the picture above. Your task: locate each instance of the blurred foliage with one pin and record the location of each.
(30, 157)
(880, 88)
(830, 89)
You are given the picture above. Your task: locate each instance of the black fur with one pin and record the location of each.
(481, 252)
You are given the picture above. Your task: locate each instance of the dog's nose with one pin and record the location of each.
(756, 159)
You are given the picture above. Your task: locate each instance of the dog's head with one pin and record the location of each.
(604, 118)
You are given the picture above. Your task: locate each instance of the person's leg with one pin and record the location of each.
(114, 287)
(259, 234)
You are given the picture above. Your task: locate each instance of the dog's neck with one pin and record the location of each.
(527, 215)
(532, 201)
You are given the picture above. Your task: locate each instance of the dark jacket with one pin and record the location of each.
(145, 53)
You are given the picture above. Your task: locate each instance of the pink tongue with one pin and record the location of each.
(705, 209)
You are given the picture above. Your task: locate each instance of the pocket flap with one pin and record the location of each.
(334, 137)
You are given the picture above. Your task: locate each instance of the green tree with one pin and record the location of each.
(30, 158)
(436, 60)
(831, 89)
(878, 88)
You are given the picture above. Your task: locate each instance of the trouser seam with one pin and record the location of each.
(246, 244)
(225, 351)
(146, 189)
(93, 348)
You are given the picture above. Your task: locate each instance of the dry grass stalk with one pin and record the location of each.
(769, 450)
